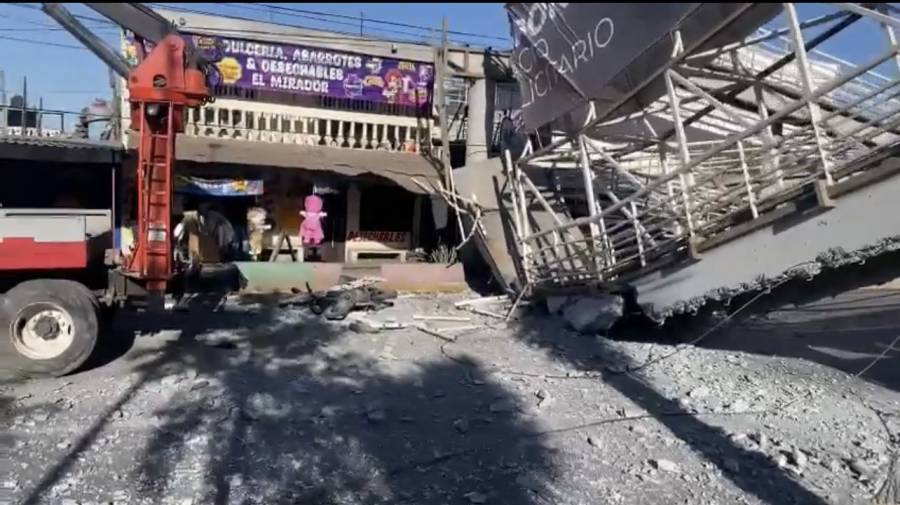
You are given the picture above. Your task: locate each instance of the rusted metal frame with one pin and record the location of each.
(815, 114)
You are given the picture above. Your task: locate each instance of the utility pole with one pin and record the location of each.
(440, 73)
(4, 113)
(440, 95)
(362, 16)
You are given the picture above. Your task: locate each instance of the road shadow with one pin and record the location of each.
(273, 405)
(766, 482)
(837, 319)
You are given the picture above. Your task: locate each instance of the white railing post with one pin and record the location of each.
(684, 154)
(751, 199)
(597, 230)
(807, 84)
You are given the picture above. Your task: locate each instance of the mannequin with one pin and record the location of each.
(311, 233)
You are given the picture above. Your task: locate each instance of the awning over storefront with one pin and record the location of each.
(400, 168)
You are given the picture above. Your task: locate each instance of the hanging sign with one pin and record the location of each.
(218, 187)
(309, 70)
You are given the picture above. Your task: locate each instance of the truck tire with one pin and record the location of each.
(49, 327)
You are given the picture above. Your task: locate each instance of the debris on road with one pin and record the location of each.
(500, 413)
(451, 319)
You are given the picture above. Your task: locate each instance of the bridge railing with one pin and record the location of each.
(801, 124)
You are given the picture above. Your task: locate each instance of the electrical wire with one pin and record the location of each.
(284, 11)
(42, 42)
(391, 23)
(418, 37)
(339, 36)
(79, 16)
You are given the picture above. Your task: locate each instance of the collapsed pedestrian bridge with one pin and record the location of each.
(705, 152)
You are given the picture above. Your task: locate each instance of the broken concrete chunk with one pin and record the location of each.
(664, 465)
(739, 406)
(700, 392)
(592, 314)
(862, 469)
(799, 458)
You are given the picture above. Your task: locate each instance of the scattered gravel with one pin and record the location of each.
(295, 409)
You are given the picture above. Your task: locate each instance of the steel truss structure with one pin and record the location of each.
(741, 132)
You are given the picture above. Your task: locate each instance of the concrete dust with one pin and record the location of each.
(264, 404)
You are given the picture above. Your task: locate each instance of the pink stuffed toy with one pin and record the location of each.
(311, 228)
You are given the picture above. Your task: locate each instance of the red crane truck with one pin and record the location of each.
(49, 319)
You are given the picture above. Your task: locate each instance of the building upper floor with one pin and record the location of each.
(290, 85)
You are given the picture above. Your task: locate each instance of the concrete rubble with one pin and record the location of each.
(298, 409)
(587, 313)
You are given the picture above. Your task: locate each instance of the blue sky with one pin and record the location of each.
(70, 77)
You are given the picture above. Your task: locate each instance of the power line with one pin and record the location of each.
(355, 40)
(419, 38)
(79, 16)
(391, 23)
(312, 38)
(50, 26)
(289, 12)
(344, 39)
(269, 10)
(42, 42)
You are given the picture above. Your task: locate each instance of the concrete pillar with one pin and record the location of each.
(353, 198)
(480, 120)
(417, 220)
(353, 207)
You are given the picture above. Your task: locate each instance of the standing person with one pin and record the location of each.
(218, 227)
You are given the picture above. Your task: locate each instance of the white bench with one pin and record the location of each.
(385, 244)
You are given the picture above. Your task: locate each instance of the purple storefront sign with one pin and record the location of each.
(314, 71)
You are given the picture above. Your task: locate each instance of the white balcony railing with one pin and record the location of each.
(260, 122)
